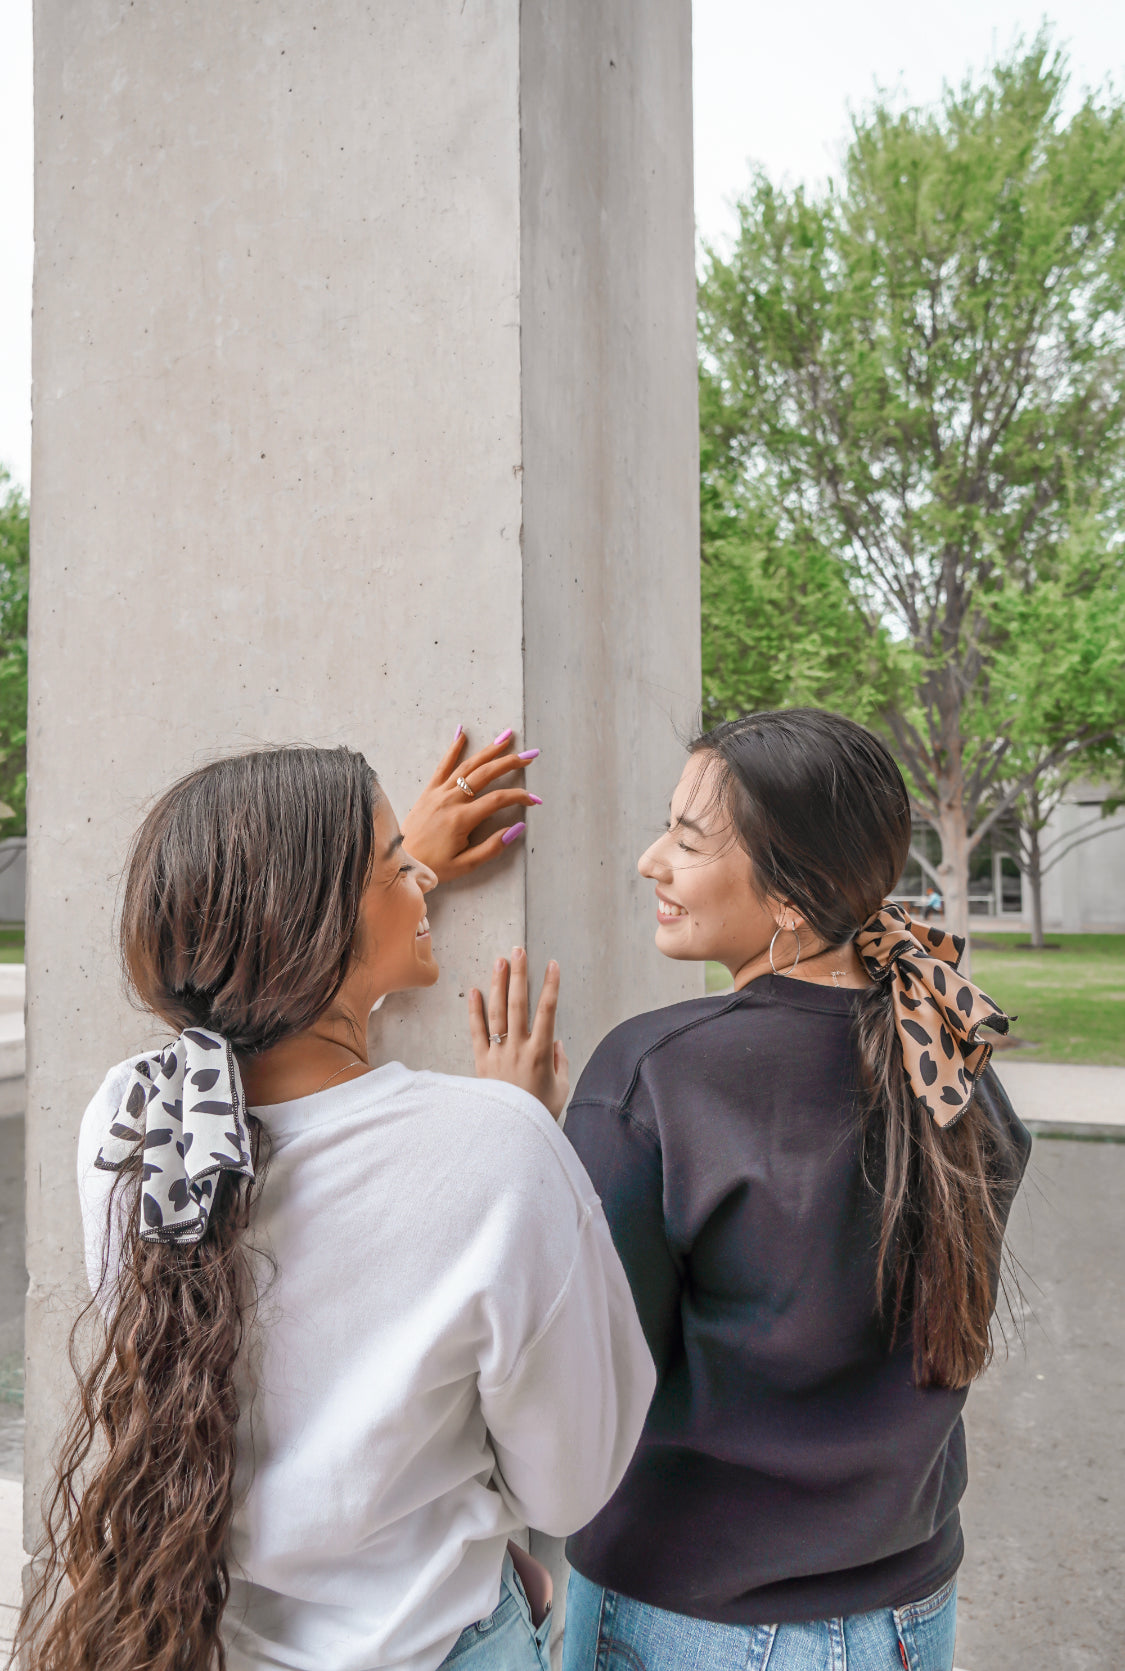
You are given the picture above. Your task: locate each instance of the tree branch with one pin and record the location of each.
(1057, 756)
(1078, 838)
(925, 866)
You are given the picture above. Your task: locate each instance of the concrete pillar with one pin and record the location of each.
(364, 400)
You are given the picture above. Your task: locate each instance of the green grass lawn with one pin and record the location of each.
(11, 942)
(1069, 1004)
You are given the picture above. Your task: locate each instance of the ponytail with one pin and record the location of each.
(941, 1226)
(137, 1524)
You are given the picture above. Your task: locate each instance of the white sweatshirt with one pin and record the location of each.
(448, 1351)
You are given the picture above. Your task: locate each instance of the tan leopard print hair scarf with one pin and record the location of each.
(937, 1011)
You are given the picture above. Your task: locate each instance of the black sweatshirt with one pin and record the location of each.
(789, 1469)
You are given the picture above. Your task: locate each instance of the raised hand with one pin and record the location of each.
(438, 827)
(506, 1047)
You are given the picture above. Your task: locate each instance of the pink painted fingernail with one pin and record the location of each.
(530, 754)
(459, 733)
(502, 738)
(511, 833)
(535, 801)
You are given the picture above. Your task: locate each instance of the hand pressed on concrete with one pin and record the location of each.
(506, 1047)
(439, 826)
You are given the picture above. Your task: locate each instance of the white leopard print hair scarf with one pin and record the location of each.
(937, 1011)
(187, 1103)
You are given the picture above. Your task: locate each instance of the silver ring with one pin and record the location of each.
(497, 1038)
(465, 788)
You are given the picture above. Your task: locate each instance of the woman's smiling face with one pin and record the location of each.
(706, 905)
(394, 950)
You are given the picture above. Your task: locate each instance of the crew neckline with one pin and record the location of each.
(802, 995)
(323, 1107)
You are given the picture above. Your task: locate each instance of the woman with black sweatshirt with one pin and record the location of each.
(808, 1181)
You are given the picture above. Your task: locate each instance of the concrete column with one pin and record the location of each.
(364, 399)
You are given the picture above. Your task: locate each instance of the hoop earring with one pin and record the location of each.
(782, 930)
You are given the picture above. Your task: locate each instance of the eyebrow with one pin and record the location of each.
(688, 823)
(395, 845)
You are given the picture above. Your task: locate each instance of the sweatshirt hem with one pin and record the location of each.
(765, 1606)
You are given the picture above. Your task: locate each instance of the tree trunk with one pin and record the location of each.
(1033, 874)
(954, 868)
(952, 821)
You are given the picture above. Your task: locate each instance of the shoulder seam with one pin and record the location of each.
(617, 1108)
(667, 1038)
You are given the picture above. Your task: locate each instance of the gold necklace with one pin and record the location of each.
(356, 1062)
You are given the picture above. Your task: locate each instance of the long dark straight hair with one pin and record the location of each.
(820, 807)
(240, 912)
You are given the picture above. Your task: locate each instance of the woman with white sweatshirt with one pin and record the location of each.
(360, 1325)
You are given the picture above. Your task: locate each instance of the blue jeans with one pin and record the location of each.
(608, 1632)
(507, 1640)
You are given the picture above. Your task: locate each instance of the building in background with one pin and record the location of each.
(1084, 893)
(1083, 890)
(13, 878)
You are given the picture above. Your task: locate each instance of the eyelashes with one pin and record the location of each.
(682, 845)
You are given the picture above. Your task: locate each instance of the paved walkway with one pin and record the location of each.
(1044, 1514)
(11, 1557)
(11, 1038)
(1047, 1094)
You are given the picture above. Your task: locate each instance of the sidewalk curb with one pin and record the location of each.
(1076, 1131)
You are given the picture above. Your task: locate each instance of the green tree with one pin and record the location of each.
(1058, 677)
(922, 370)
(781, 626)
(14, 547)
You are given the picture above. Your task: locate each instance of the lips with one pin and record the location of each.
(667, 910)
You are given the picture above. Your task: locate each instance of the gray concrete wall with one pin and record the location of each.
(610, 451)
(343, 385)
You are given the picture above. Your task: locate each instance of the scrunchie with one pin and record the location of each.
(937, 1011)
(188, 1104)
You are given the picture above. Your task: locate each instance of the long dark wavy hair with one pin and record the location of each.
(820, 807)
(240, 913)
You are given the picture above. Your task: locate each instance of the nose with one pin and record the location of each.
(650, 864)
(427, 881)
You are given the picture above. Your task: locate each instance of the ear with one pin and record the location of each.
(786, 915)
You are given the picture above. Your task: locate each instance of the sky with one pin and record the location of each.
(774, 85)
